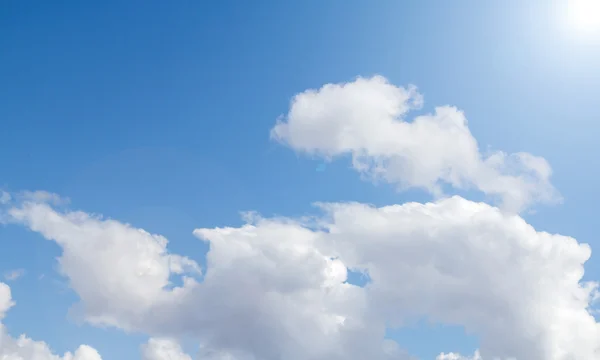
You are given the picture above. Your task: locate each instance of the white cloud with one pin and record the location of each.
(118, 271)
(275, 288)
(454, 356)
(290, 301)
(24, 348)
(14, 274)
(466, 263)
(163, 349)
(6, 301)
(366, 119)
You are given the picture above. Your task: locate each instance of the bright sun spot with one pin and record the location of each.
(584, 15)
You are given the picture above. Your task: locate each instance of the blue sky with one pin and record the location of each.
(158, 114)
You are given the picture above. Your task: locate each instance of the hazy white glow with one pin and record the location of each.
(584, 15)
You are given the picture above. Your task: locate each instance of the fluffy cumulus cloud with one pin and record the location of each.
(367, 119)
(6, 301)
(276, 288)
(163, 349)
(118, 271)
(453, 356)
(24, 348)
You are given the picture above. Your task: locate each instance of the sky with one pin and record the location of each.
(299, 180)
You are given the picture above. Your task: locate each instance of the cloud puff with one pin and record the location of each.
(118, 271)
(276, 288)
(454, 356)
(366, 119)
(24, 348)
(6, 301)
(163, 349)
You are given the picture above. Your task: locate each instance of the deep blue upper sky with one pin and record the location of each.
(158, 113)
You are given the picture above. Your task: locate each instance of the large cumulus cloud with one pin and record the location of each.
(276, 288)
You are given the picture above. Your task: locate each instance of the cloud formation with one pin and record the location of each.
(277, 288)
(367, 119)
(118, 271)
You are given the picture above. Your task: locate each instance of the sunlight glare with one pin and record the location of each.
(584, 15)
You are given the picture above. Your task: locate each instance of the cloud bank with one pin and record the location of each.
(277, 288)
